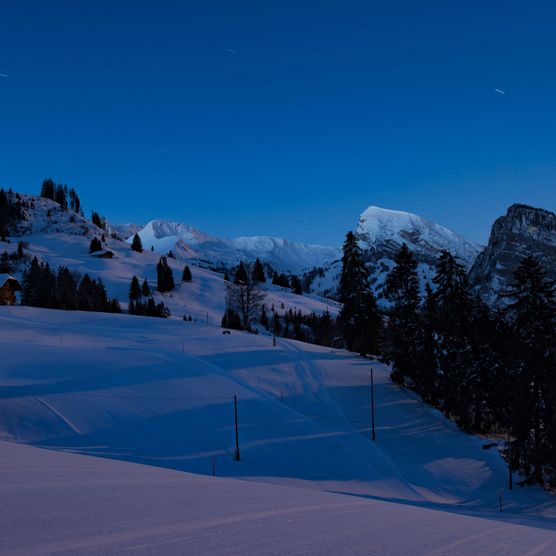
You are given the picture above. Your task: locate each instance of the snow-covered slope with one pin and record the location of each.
(204, 298)
(161, 392)
(61, 503)
(187, 242)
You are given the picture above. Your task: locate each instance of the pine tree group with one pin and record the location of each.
(164, 275)
(486, 370)
(63, 290)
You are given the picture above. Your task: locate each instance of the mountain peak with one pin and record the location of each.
(384, 230)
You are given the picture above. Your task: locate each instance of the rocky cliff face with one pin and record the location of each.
(523, 231)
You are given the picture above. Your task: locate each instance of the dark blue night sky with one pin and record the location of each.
(282, 118)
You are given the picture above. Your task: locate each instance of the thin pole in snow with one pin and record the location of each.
(510, 478)
(373, 434)
(236, 457)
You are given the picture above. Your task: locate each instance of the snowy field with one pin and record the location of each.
(160, 392)
(59, 503)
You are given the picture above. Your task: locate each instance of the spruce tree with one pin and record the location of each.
(186, 276)
(258, 272)
(359, 319)
(295, 285)
(164, 276)
(145, 290)
(47, 189)
(5, 263)
(136, 244)
(402, 291)
(134, 289)
(453, 305)
(532, 311)
(95, 245)
(241, 275)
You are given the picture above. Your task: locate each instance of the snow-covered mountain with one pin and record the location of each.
(187, 242)
(381, 233)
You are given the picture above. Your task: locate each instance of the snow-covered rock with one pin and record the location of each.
(523, 231)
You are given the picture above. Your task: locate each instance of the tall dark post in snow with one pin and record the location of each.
(373, 435)
(510, 478)
(236, 457)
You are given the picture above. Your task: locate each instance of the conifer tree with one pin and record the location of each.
(231, 319)
(533, 313)
(241, 275)
(402, 290)
(453, 305)
(258, 272)
(66, 289)
(165, 278)
(47, 189)
(136, 244)
(95, 245)
(264, 317)
(60, 196)
(145, 290)
(134, 289)
(295, 285)
(186, 276)
(5, 263)
(359, 319)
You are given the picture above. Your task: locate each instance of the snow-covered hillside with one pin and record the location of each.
(204, 298)
(188, 243)
(161, 392)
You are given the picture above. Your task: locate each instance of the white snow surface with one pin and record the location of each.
(378, 225)
(57, 503)
(160, 392)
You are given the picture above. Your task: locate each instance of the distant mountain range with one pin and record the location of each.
(524, 230)
(186, 242)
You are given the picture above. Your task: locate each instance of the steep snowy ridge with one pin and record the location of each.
(382, 232)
